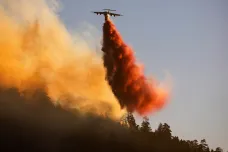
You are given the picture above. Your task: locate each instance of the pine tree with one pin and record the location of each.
(164, 131)
(124, 121)
(145, 126)
(203, 146)
(131, 122)
(218, 149)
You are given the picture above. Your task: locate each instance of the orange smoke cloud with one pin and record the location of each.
(37, 52)
(126, 78)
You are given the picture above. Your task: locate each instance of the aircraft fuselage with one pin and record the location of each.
(107, 13)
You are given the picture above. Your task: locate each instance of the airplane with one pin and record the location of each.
(107, 12)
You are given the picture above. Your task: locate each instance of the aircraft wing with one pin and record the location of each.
(114, 14)
(99, 13)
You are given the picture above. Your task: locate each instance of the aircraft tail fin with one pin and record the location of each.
(109, 10)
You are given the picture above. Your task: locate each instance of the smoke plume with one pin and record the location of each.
(38, 52)
(126, 78)
(34, 124)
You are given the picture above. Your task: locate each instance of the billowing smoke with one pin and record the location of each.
(38, 52)
(41, 64)
(34, 124)
(126, 78)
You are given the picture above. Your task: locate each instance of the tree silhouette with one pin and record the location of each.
(218, 149)
(39, 124)
(131, 122)
(164, 131)
(124, 121)
(145, 126)
(203, 146)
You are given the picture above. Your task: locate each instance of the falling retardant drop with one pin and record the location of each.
(127, 80)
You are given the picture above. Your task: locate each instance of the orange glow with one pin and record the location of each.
(37, 52)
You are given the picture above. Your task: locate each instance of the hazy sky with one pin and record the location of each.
(189, 39)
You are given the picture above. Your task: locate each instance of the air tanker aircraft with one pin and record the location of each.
(107, 13)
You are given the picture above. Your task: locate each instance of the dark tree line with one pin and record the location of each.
(161, 139)
(35, 124)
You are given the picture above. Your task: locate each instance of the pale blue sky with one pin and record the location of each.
(187, 38)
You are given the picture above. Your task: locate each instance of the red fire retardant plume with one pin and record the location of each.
(126, 78)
